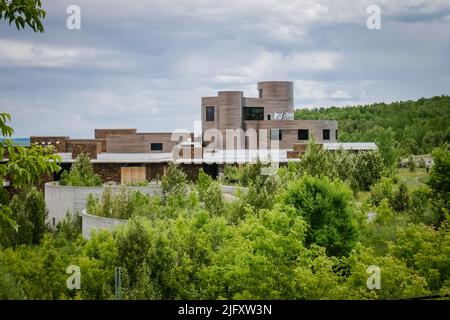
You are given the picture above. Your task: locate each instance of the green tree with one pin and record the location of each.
(81, 173)
(28, 210)
(174, 180)
(439, 179)
(25, 166)
(326, 207)
(23, 12)
(369, 168)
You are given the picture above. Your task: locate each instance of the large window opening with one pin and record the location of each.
(253, 113)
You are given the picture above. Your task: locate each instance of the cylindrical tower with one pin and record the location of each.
(278, 99)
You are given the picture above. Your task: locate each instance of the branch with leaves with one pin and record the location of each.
(22, 167)
(22, 13)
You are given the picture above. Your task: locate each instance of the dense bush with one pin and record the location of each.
(122, 205)
(28, 210)
(174, 180)
(81, 173)
(326, 207)
(289, 236)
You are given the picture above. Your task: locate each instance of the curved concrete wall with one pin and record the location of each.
(90, 223)
(277, 90)
(62, 199)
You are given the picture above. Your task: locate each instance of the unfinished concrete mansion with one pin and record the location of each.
(234, 129)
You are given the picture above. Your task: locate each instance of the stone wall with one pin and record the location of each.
(91, 224)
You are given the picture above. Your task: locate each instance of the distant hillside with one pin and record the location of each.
(19, 141)
(417, 126)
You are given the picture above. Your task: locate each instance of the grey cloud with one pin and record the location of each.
(146, 64)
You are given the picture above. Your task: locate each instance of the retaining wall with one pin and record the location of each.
(62, 199)
(90, 223)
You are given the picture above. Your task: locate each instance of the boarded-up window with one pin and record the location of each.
(131, 175)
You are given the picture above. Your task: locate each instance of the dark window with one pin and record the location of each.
(303, 134)
(253, 113)
(260, 93)
(326, 134)
(209, 113)
(268, 117)
(156, 146)
(336, 135)
(276, 134)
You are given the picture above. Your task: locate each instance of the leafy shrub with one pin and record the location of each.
(368, 169)
(81, 173)
(439, 180)
(28, 210)
(203, 183)
(326, 207)
(384, 189)
(174, 180)
(213, 199)
(411, 164)
(400, 200)
(122, 205)
(231, 173)
(70, 227)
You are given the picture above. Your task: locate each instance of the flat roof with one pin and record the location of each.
(217, 156)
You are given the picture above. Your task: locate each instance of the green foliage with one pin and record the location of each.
(384, 189)
(81, 174)
(122, 205)
(425, 250)
(368, 169)
(231, 174)
(70, 227)
(28, 210)
(316, 161)
(23, 12)
(421, 207)
(411, 164)
(204, 181)
(9, 288)
(360, 170)
(384, 212)
(25, 166)
(214, 200)
(174, 180)
(417, 126)
(439, 180)
(326, 207)
(400, 200)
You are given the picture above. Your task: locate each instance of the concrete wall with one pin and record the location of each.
(90, 223)
(61, 199)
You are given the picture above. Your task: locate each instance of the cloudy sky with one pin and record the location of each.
(145, 64)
